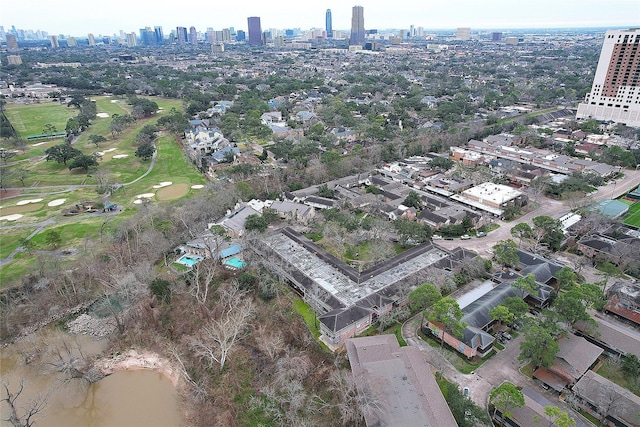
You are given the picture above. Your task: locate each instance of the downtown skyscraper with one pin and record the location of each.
(357, 26)
(615, 93)
(329, 24)
(255, 31)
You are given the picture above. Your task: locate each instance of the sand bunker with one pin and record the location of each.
(163, 184)
(145, 196)
(102, 115)
(56, 202)
(113, 101)
(120, 156)
(197, 186)
(26, 202)
(13, 217)
(102, 153)
(137, 202)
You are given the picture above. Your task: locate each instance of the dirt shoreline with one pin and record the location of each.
(132, 360)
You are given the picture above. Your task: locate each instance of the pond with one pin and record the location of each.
(125, 398)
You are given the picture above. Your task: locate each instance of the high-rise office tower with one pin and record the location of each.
(71, 42)
(12, 41)
(463, 33)
(181, 34)
(147, 36)
(357, 26)
(54, 42)
(255, 31)
(329, 24)
(496, 37)
(159, 34)
(91, 39)
(193, 35)
(241, 36)
(615, 93)
(131, 40)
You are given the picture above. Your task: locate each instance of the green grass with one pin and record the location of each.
(30, 119)
(633, 217)
(303, 309)
(593, 420)
(527, 370)
(171, 165)
(11, 238)
(612, 371)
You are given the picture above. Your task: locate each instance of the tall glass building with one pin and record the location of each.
(255, 31)
(329, 24)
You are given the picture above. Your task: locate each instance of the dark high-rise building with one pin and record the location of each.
(181, 34)
(329, 24)
(159, 35)
(193, 35)
(496, 37)
(255, 31)
(12, 41)
(357, 26)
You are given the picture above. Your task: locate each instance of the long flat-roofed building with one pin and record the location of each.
(615, 94)
(346, 300)
(492, 198)
(399, 381)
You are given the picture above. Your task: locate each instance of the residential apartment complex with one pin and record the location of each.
(615, 94)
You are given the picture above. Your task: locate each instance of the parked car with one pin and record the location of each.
(506, 335)
(465, 391)
(448, 238)
(436, 237)
(481, 233)
(465, 237)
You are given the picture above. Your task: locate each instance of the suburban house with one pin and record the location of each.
(624, 301)
(400, 380)
(603, 398)
(293, 211)
(234, 221)
(575, 357)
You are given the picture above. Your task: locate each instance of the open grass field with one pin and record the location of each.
(30, 119)
(171, 166)
(633, 217)
(12, 238)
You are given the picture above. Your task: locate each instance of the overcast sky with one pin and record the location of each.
(79, 17)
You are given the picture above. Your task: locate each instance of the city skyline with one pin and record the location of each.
(77, 18)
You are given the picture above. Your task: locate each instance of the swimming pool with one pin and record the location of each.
(235, 263)
(189, 260)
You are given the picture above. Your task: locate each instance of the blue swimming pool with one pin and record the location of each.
(189, 260)
(235, 263)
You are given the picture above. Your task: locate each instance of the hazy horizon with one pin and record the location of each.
(77, 18)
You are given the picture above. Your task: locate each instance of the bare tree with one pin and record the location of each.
(353, 403)
(215, 341)
(201, 277)
(33, 407)
(271, 343)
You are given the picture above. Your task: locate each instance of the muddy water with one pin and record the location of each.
(126, 398)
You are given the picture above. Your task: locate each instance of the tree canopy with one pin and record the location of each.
(539, 346)
(506, 397)
(506, 252)
(424, 296)
(62, 153)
